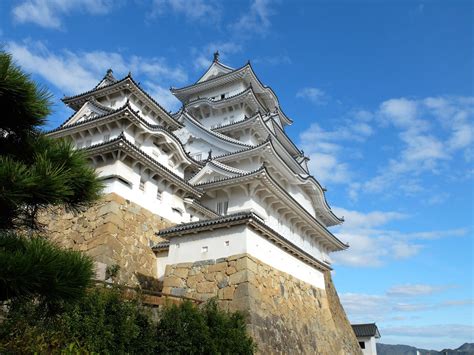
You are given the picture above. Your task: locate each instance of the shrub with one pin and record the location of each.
(103, 322)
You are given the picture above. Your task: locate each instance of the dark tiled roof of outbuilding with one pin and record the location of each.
(366, 330)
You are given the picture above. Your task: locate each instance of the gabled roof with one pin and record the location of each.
(366, 330)
(124, 112)
(91, 105)
(121, 143)
(249, 219)
(266, 124)
(247, 94)
(76, 101)
(108, 79)
(215, 69)
(262, 174)
(246, 71)
(183, 115)
(215, 168)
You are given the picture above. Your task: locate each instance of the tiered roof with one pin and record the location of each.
(108, 86)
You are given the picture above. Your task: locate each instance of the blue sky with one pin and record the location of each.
(381, 93)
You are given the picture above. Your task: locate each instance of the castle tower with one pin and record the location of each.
(240, 216)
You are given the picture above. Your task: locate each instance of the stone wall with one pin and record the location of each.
(113, 231)
(285, 315)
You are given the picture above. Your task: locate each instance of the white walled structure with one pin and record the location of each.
(222, 168)
(367, 335)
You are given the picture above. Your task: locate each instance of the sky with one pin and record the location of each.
(381, 94)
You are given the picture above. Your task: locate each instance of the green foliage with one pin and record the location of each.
(24, 104)
(35, 171)
(186, 329)
(102, 322)
(35, 267)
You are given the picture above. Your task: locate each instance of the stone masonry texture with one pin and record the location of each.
(112, 231)
(285, 315)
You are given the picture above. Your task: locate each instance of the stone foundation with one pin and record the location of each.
(113, 231)
(285, 315)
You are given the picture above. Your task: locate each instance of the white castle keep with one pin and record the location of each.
(222, 169)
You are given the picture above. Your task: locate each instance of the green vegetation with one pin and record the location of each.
(102, 322)
(35, 172)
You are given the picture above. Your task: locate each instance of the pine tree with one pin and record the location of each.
(36, 173)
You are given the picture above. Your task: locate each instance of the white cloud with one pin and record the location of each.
(425, 147)
(193, 10)
(397, 304)
(457, 331)
(203, 57)
(163, 96)
(414, 289)
(315, 95)
(326, 148)
(373, 244)
(273, 60)
(75, 72)
(48, 13)
(256, 20)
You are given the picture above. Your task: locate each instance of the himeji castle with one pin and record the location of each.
(214, 200)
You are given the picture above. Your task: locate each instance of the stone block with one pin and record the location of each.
(238, 277)
(105, 229)
(230, 270)
(206, 287)
(178, 291)
(204, 262)
(217, 267)
(172, 281)
(226, 293)
(181, 272)
(110, 207)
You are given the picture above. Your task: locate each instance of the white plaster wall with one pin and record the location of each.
(370, 346)
(146, 198)
(191, 248)
(161, 262)
(225, 242)
(240, 202)
(278, 258)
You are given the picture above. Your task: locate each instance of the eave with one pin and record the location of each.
(333, 243)
(124, 112)
(122, 144)
(128, 83)
(184, 115)
(247, 94)
(184, 93)
(251, 220)
(261, 121)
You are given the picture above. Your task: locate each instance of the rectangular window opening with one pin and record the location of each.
(142, 185)
(362, 344)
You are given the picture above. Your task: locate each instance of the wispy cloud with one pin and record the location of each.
(373, 244)
(49, 13)
(192, 10)
(415, 289)
(424, 149)
(326, 149)
(314, 95)
(273, 60)
(75, 72)
(78, 71)
(398, 303)
(450, 331)
(255, 21)
(203, 56)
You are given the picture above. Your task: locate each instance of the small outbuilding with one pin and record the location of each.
(367, 335)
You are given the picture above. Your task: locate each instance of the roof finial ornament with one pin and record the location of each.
(209, 157)
(109, 71)
(216, 56)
